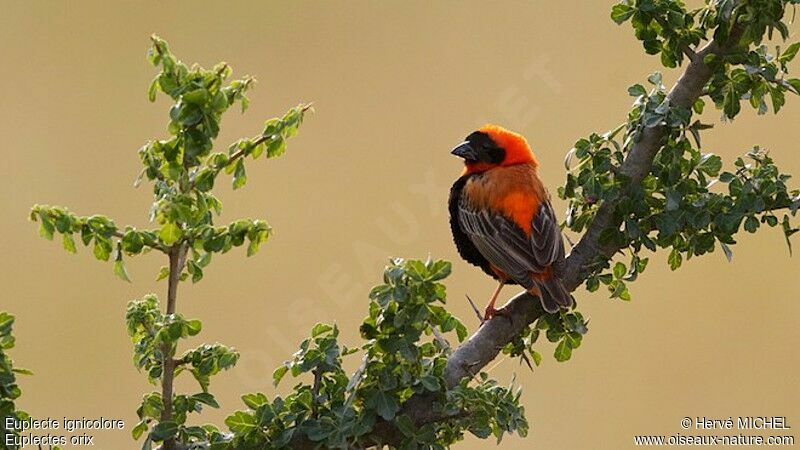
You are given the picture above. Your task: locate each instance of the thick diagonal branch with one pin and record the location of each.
(637, 165)
(484, 346)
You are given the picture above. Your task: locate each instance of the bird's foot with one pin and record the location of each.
(491, 312)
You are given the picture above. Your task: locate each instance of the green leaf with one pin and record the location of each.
(46, 227)
(258, 150)
(170, 233)
(121, 271)
(563, 351)
(206, 398)
(69, 243)
(406, 426)
(461, 332)
(204, 181)
(163, 273)
(778, 98)
(619, 270)
(710, 164)
(789, 53)
(592, 284)
(674, 259)
(197, 272)
(255, 401)
(384, 405)
(102, 249)
(770, 220)
(241, 422)
(788, 231)
(239, 175)
(698, 106)
(193, 327)
(637, 90)
(795, 84)
(625, 294)
(320, 328)
(731, 105)
(164, 431)
(252, 247)
(751, 224)
(132, 242)
(196, 97)
(151, 95)
(139, 429)
(430, 383)
(537, 357)
(656, 78)
(276, 147)
(439, 270)
(278, 374)
(621, 12)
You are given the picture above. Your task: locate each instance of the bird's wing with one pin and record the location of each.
(506, 246)
(546, 239)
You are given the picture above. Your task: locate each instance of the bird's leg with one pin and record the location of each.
(490, 309)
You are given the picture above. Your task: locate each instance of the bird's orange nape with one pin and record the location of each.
(515, 145)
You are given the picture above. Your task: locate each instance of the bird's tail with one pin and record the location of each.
(554, 296)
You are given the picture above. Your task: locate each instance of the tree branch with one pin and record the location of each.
(483, 346)
(638, 162)
(487, 342)
(177, 258)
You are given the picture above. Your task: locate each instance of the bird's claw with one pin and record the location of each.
(492, 312)
(489, 313)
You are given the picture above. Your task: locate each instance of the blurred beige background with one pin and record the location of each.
(395, 86)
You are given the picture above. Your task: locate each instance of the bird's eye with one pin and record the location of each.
(496, 154)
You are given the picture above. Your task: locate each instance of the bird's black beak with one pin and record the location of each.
(465, 150)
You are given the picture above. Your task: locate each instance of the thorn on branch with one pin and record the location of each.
(475, 308)
(524, 357)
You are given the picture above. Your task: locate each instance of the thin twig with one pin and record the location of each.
(440, 339)
(355, 380)
(315, 390)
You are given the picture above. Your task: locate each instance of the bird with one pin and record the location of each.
(502, 220)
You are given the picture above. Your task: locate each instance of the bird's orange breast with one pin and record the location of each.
(514, 191)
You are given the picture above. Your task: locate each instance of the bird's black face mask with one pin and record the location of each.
(479, 148)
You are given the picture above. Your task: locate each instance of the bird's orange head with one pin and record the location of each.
(494, 146)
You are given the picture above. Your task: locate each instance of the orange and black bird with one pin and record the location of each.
(502, 220)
